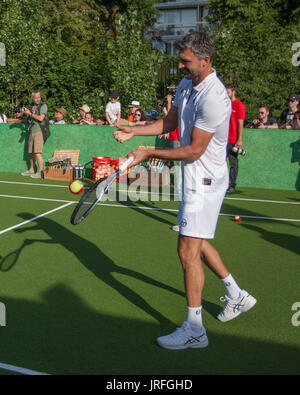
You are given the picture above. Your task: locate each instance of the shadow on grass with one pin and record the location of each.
(61, 334)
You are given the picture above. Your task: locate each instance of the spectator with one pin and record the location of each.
(264, 121)
(295, 124)
(287, 115)
(59, 117)
(89, 119)
(113, 109)
(134, 106)
(82, 112)
(19, 115)
(37, 116)
(3, 118)
(139, 118)
(235, 136)
(151, 115)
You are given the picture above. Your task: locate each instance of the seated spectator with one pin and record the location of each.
(3, 118)
(82, 112)
(113, 109)
(134, 106)
(59, 117)
(151, 115)
(139, 118)
(295, 124)
(264, 121)
(20, 117)
(287, 115)
(89, 119)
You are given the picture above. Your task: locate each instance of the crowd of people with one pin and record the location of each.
(112, 116)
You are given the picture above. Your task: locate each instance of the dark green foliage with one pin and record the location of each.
(75, 52)
(254, 50)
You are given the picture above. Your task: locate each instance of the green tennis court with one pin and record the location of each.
(92, 298)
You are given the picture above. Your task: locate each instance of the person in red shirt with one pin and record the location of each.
(235, 136)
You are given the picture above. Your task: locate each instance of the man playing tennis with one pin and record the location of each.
(202, 109)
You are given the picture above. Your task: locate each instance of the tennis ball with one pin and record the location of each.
(237, 218)
(76, 187)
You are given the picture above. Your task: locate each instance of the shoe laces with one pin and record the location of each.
(181, 330)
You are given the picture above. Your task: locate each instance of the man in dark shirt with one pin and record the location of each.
(264, 121)
(287, 115)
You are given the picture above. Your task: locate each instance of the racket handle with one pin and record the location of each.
(124, 165)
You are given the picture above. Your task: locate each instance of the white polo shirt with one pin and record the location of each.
(113, 110)
(207, 107)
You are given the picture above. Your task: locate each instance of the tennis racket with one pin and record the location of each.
(94, 194)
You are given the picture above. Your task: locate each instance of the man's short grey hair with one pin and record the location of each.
(200, 43)
(35, 93)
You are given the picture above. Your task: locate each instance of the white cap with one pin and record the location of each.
(135, 104)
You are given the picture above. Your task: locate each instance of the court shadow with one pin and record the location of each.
(284, 240)
(98, 263)
(59, 333)
(135, 205)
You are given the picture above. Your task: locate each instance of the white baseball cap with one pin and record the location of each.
(135, 104)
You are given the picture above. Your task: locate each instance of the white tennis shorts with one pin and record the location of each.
(199, 211)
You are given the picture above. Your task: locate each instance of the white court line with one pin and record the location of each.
(17, 369)
(145, 208)
(154, 193)
(33, 219)
(174, 210)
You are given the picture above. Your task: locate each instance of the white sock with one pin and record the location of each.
(195, 318)
(232, 289)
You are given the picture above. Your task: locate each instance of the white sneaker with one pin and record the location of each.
(235, 307)
(183, 338)
(175, 228)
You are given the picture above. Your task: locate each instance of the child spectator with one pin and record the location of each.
(113, 109)
(89, 119)
(82, 112)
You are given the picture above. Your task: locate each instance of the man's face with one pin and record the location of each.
(262, 113)
(191, 65)
(230, 93)
(293, 104)
(36, 98)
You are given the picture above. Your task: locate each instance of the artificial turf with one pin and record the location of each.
(92, 298)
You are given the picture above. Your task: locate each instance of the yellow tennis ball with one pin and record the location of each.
(76, 187)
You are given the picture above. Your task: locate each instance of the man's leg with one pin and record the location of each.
(234, 166)
(237, 300)
(192, 333)
(189, 251)
(40, 161)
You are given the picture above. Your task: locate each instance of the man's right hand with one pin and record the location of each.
(123, 133)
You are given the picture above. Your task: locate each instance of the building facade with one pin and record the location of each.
(178, 18)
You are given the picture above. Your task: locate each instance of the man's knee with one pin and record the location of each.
(189, 250)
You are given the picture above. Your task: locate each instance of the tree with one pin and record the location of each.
(254, 50)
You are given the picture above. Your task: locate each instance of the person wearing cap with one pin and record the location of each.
(151, 115)
(287, 115)
(113, 109)
(82, 112)
(59, 117)
(134, 106)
